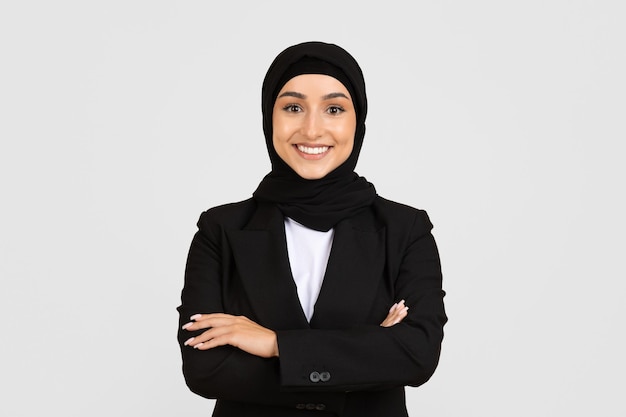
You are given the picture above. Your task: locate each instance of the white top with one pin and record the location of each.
(308, 251)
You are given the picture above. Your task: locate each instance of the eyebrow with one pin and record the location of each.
(334, 95)
(292, 94)
(303, 97)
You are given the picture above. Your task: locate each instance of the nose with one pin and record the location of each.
(312, 126)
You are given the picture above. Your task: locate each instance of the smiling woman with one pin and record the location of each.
(298, 298)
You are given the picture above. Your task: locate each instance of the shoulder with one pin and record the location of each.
(227, 216)
(395, 214)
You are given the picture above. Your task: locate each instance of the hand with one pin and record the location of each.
(397, 313)
(237, 331)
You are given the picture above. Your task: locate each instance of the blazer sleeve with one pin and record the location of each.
(370, 356)
(226, 372)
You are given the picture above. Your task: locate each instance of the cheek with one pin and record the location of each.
(348, 136)
(281, 128)
(279, 146)
(346, 132)
(347, 141)
(281, 133)
(348, 127)
(348, 150)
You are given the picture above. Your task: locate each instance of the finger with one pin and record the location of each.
(194, 323)
(193, 341)
(396, 306)
(400, 308)
(396, 315)
(212, 343)
(388, 320)
(402, 312)
(206, 336)
(401, 315)
(205, 321)
(200, 317)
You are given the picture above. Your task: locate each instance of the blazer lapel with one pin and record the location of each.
(354, 273)
(260, 252)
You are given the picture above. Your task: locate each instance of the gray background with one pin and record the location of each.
(121, 121)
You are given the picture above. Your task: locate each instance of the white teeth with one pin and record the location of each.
(313, 151)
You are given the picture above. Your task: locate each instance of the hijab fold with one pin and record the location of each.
(321, 203)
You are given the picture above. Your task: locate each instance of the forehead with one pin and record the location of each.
(314, 82)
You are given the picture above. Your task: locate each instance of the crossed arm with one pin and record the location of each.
(245, 334)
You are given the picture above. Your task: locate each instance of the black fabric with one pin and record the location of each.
(321, 203)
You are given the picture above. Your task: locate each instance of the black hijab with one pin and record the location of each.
(321, 203)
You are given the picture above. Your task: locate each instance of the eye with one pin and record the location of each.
(335, 110)
(292, 108)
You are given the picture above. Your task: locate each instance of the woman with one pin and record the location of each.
(287, 295)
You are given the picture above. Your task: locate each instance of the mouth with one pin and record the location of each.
(312, 150)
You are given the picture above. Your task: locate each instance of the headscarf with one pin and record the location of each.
(318, 204)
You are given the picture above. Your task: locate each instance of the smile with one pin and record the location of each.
(312, 150)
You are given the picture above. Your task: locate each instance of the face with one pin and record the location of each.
(313, 123)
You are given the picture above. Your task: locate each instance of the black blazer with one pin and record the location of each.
(342, 363)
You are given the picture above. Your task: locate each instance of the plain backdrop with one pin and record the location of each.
(121, 121)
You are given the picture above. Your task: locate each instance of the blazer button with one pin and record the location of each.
(300, 406)
(314, 376)
(320, 407)
(324, 376)
(310, 406)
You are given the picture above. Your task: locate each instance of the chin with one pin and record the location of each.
(311, 175)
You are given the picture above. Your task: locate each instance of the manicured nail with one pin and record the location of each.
(189, 341)
(198, 345)
(195, 317)
(393, 307)
(401, 302)
(186, 325)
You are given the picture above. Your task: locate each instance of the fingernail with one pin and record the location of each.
(401, 302)
(393, 307)
(195, 317)
(189, 341)
(198, 345)
(186, 325)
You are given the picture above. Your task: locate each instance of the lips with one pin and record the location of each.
(312, 150)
